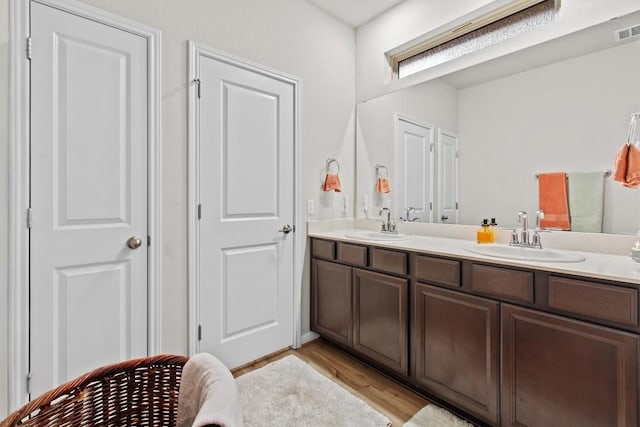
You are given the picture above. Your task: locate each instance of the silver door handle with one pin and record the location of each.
(134, 242)
(286, 229)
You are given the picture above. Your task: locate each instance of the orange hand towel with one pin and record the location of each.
(332, 182)
(552, 197)
(627, 167)
(383, 185)
(620, 168)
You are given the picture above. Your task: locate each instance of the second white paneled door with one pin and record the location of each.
(244, 156)
(88, 260)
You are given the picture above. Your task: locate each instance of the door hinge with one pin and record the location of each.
(199, 332)
(29, 217)
(431, 146)
(199, 211)
(456, 205)
(148, 240)
(430, 206)
(29, 48)
(199, 89)
(29, 383)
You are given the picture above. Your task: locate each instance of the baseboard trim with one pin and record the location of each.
(308, 337)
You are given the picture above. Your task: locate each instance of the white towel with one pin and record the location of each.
(586, 201)
(208, 394)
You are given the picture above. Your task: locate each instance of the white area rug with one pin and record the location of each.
(288, 392)
(434, 416)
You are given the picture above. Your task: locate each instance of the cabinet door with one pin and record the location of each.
(563, 372)
(456, 349)
(380, 318)
(331, 290)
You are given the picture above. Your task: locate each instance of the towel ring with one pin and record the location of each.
(379, 171)
(329, 163)
(633, 136)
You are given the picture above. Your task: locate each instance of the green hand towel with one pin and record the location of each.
(586, 201)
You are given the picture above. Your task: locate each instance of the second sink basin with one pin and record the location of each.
(375, 235)
(524, 254)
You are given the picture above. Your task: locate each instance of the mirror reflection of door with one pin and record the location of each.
(447, 177)
(414, 169)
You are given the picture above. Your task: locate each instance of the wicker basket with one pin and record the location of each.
(138, 392)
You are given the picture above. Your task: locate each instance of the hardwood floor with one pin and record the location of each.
(385, 395)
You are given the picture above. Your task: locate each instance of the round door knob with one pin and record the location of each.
(134, 242)
(286, 229)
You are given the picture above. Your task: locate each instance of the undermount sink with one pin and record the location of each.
(523, 253)
(375, 235)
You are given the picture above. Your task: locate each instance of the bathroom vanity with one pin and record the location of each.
(508, 342)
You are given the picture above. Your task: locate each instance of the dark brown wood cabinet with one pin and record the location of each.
(380, 318)
(331, 297)
(564, 372)
(509, 346)
(456, 349)
(363, 310)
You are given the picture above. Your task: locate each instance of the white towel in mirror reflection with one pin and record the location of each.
(586, 201)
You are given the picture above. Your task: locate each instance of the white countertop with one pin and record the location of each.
(599, 266)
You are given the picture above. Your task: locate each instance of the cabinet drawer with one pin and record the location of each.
(323, 249)
(437, 270)
(352, 254)
(502, 282)
(604, 302)
(389, 261)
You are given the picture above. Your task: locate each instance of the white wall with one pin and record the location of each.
(571, 116)
(4, 198)
(413, 18)
(289, 35)
(433, 102)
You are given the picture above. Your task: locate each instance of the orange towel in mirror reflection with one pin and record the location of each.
(552, 199)
(382, 186)
(332, 183)
(627, 167)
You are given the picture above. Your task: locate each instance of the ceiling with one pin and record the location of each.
(355, 12)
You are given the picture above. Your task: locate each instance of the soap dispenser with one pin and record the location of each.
(493, 225)
(482, 236)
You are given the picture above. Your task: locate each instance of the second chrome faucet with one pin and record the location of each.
(388, 226)
(520, 236)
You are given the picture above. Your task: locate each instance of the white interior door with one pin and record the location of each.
(447, 177)
(88, 297)
(245, 182)
(414, 168)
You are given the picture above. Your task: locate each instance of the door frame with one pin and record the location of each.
(19, 183)
(197, 50)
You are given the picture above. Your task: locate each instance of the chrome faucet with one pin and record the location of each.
(388, 226)
(520, 236)
(524, 233)
(408, 213)
(535, 240)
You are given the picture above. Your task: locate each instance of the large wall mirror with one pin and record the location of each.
(563, 106)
